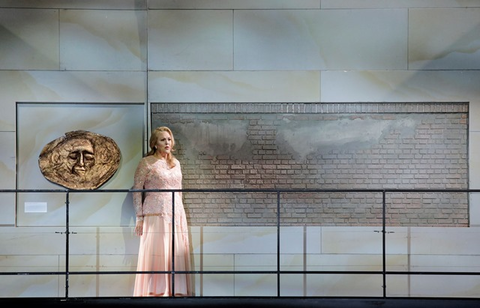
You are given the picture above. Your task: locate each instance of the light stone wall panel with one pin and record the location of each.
(246, 239)
(474, 208)
(91, 285)
(56, 86)
(104, 241)
(378, 4)
(108, 285)
(292, 285)
(398, 286)
(255, 262)
(31, 286)
(7, 160)
(103, 40)
(403, 86)
(190, 40)
(255, 285)
(324, 284)
(445, 286)
(7, 177)
(344, 285)
(326, 40)
(363, 240)
(29, 263)
(355, 262)
(100, 262)
(29, 45)
(444, 241)
(313, 240)
(260, 86)
(91, 87)
(32, 241)
(444, 39)
(291, 240)
(7, 208)
(474, 164)
(233, 240)
(77, 4)
(233, 4)
(215, 284)
(445, 263)
(474, 113)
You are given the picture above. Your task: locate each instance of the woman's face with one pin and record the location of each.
(164, 143)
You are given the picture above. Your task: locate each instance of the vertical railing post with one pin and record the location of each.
(278, 244)
(67, 242)
(173, 244)
(384, 248)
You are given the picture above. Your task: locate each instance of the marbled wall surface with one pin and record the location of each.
(238, 51)
(122, 123)
(29, 45)
(103, 40)
(310, 248)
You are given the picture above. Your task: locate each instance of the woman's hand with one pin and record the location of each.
(139, 228)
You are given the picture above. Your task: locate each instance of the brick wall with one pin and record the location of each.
(321, 146)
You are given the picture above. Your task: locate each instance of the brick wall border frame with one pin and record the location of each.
(319, 108)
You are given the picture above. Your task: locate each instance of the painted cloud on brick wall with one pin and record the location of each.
(221, 137)
(345, 133)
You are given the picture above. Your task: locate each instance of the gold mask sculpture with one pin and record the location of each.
(80, 160)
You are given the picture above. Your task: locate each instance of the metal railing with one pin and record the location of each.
(278, 272)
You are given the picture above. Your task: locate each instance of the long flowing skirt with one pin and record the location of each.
(155, 254)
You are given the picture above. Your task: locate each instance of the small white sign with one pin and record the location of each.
(35, 207)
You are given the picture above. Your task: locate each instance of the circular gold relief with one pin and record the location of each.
(80, 160)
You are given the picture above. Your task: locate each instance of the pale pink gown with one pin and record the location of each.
(155, 252)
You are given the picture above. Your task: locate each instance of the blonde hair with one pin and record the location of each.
(153, 144)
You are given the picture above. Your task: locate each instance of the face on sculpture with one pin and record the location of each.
(80, 160)
(81, 156)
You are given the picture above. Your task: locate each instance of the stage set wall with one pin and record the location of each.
(126, 56)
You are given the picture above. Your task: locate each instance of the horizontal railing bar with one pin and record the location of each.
(243, 272)
(239, 190)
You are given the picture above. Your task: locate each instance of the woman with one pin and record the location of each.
(160, 170)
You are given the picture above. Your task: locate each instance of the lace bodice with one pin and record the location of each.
(154, 173)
